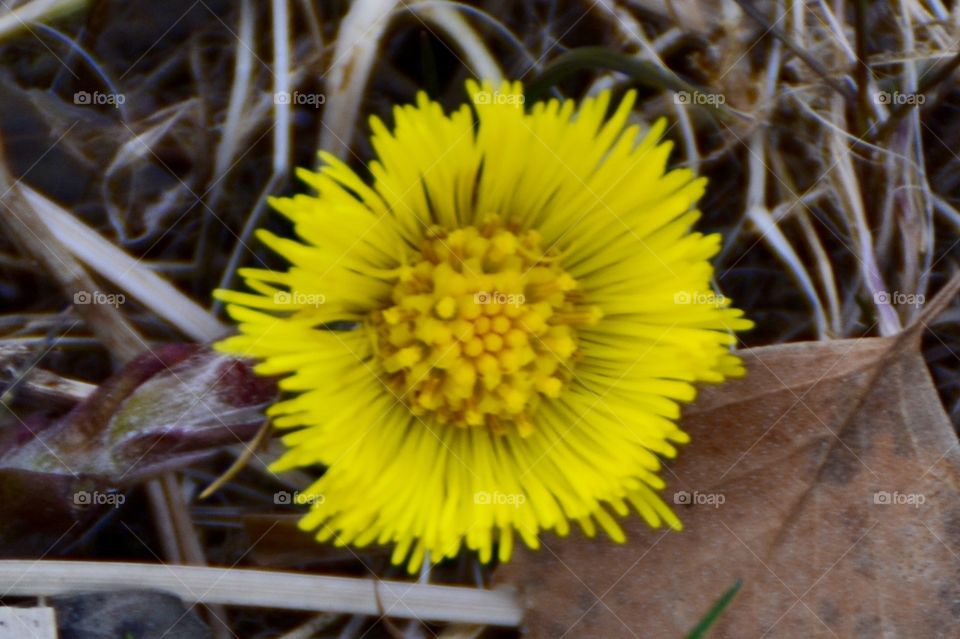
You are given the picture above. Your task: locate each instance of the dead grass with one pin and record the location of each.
(835, 191)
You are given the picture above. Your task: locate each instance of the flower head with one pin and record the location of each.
(492, 336)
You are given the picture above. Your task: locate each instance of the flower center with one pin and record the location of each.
(480, 326)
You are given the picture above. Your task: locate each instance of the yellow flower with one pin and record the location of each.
(493, 334)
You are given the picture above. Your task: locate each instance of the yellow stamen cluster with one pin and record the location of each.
(481, 324)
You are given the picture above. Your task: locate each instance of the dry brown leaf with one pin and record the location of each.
(826, 481)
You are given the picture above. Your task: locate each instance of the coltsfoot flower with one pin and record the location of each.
(492, 335)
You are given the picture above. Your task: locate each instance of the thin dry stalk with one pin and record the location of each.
(20, 18)
(476, 55)
(267, 589)
(76, 239)
(36, 238)
(354, 54)
(190, 546)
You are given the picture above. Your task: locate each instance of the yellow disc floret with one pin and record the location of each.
(480, 324)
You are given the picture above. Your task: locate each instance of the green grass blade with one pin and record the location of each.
(700, 630)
